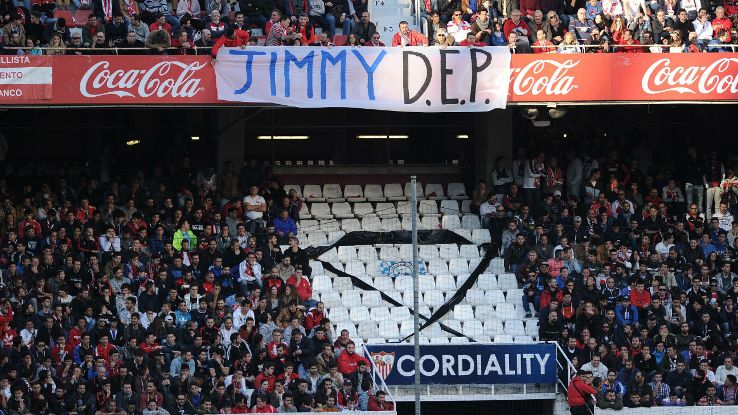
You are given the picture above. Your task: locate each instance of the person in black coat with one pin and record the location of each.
(300, 349)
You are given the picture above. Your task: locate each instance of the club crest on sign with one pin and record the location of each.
(383, 362)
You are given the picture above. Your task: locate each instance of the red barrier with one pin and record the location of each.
(190, 80)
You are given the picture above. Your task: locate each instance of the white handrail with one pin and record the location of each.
(376, 375)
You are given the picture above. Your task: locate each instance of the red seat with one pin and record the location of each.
(340, 40)
(67, 15)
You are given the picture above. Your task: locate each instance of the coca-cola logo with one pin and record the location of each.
(544, 77)
(720, 76)
(171, 79)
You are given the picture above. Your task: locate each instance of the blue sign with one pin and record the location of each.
(466, 364)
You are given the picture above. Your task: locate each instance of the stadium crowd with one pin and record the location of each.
(526, 26)
(165, 292)
(631, 268)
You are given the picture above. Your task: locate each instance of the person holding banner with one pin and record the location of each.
(579, 394)
(231, 38)
(407, 37)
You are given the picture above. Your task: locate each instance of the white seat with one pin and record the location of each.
(363, 209)
(373, 268)
(407, 327)
(495, 297)
(388, 329)
(434, 330)
(313, 193)
(322, 283)
(354, 193)
(469, 221)
(384, 283)
(439, 340)
(386, 210)
(309, 225)
(434, 191)
(418, 190)
(445, 282)
(453, 325)
(531, 329)
(347, 253)
(438, 266)
(484, 312)
(351, 298)
(359, 314)
(379, 313)
(321, 211)
(450, 222)
(464, 233)
(404, 208)
(367, 253)
(338, 314)
(475, 297)
(404, 283)
(428, 253)
(393, 192)
(463, 312)
(487, 282)
(329, 225)
(304, 212)
(317, 239)
(450, 207)
(341, 210)
(317, 268)
(335, 236)
(330, 298)
(348, 326)
(506, 311)
(503, 338)
(514, 328)
(389, 253)
(428, 208)
(523, 339)
(407, 224)
(295, 187)
(398, 314)
(333, 193)
(469, 251)
(374, 193)
(408, 299)
(342, 284)
(355, 268)
(426, 282)
(368, 329)
(372, 299)
(461, 279)
(376, 340)
(390, 224)
(429, 223)
(458, 266)
(371, 223)
(406, 252)
(493, 328)
(459, 340)
(514, 296)
(457, 191)
(507, 281)
(481, 236)
(433, 298)
(350, 225)
(473, 328)
(448, 251)
(302, 239)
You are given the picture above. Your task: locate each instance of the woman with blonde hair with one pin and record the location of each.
(56, 46)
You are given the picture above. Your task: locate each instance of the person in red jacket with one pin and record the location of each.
(232, 38)
(315, 316)
(407, 37)
(104, 348)
(28, 221)
(515, 23)
(628, 40)
(262, 406)
(579, 393)
(348, 360)
(301, 284)
(379, 403)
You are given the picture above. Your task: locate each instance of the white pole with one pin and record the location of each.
(416, 293)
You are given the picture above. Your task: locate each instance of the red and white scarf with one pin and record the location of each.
(107, 8)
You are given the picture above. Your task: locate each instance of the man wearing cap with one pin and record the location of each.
(347, 394)
(625, 313)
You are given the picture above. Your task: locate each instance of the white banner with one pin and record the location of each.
(418, 79)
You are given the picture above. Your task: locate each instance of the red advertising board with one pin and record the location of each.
(190, 80)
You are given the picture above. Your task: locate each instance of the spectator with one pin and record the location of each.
(580, 393)
(457, 27)
(365, 30)
(581, 26)
(407, 37)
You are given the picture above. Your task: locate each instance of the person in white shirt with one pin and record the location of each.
(192, 298)
(249, 273)
(598, 369)
(663, 247)
(109, 242)
(458, 27)
(725, 219)
(703, 26)
(243, 313)
(255, 208)
(488, 210)
(724, 370)
(225, 332)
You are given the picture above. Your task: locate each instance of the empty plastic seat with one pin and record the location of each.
(433, 298)
(506, 311)
(373, 268)
(347, 253)
(503, 338)
(514, 328)
(404, 283)
(398, 314)
(359, 314)
(514, 295)
(329, 225)
(434, 191)
(464, 233)
(429, 223)
(335, 236)
(406, 222)
(469, 251)
(523, 339)
(389, 253)
(458, 266)
(388, 329)
(353, 193)
(350, 225)
(493, 328)
(429, 253)
(390, 224)
(341, 210)
(475, 297)
(463, 312)
(484, 312)
(480, 236)
(302, 239)
(459, 340)
(453, 325)
(363, 209)
(445, 282)
(321, 211)
(304, 212)
(404, 208)
(351, 298)
(376, 340)
(406, 251)
(338, 314)
(317, 239)
(448, 251)
(331, 298)
(438, 266)
(531, 329)
(457, 191)
(367, 253)
(470, 222)
(450, 222)
(355, 268)
(407, 327)
(439, 340)
(346, 325)
(371, 223)
(342, 284)
(393, 192)
(487, 282)
(428, 208)
(507, 281)
(313, 193)
(329, 256)
(322, 283)
(295, 187)
(495, 297)
(309, 225)
(368, 329)
(473, 328)
(372, 299)
(317, 268)
(450, 207)
(384, 284)
(374, 193)
(386, 210)
(418, 190)
(379, 313)
(426, 282)
(333, 193)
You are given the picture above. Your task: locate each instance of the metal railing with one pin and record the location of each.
(377, 385)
